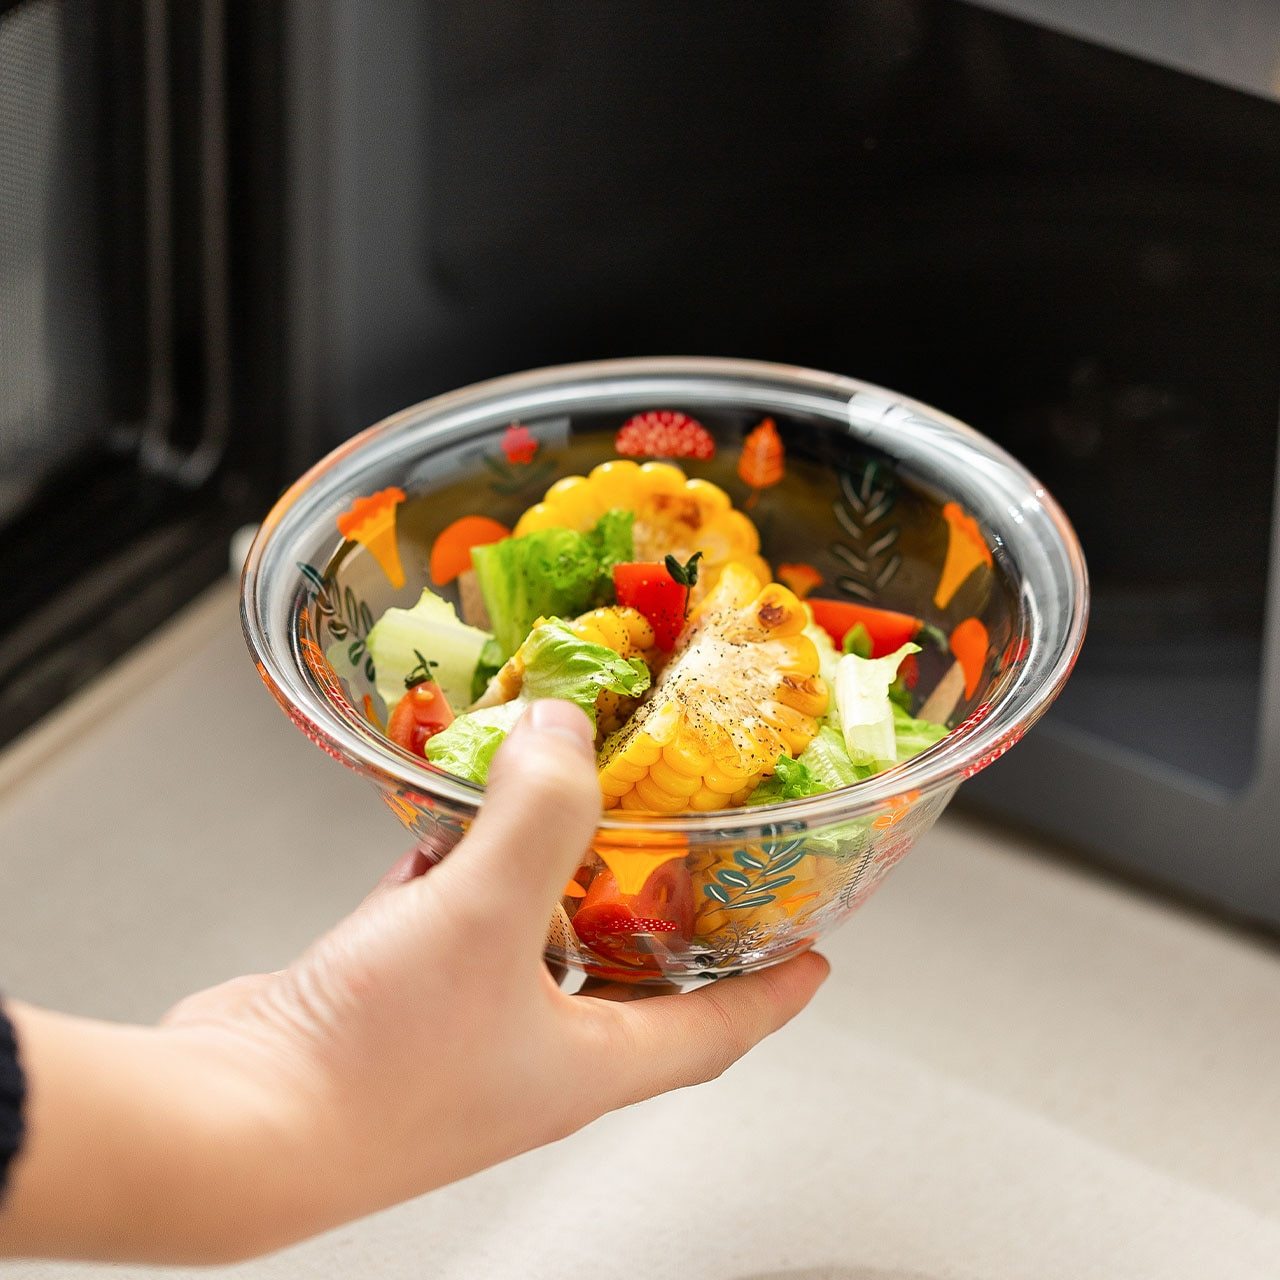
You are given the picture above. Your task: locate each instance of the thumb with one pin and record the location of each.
(540, 810)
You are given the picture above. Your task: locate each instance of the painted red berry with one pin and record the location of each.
(664, 433)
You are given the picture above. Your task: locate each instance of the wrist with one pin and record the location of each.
(151, 1145)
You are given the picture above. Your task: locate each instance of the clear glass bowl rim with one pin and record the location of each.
(1052, 647)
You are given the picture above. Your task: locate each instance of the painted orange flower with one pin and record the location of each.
(897, 808)
(966, 550)
(371, 522)
(970, 643)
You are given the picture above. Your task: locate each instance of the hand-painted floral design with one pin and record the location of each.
(970, 643)
(345, 617)
(864, 510)
(634, 857)
(801, 578)
(371, 522)
(664, 433)
(517, 466)
(896, 808)
(966, 550)
(519, 446)
(761, 463)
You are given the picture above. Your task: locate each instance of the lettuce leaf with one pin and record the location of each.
(864, 709)
(828, 762)
(553, 572)
(791, 780)
(557, 664)
(433, 629)
(467, 747)
(914, 736)
(825, 765)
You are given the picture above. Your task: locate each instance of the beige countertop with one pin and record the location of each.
(1016, 1069)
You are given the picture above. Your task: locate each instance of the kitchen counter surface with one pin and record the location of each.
(1015, 1070)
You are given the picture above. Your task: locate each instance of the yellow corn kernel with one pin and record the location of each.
(704, 799)
(673, 515)
(716, 720)
(807, 695)
(671, 781)
(615, 483)
(615, 786)
(648, 798)
(685, 756)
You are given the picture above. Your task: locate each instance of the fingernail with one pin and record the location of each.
(553, 715)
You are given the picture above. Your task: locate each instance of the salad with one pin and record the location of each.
(640, 594)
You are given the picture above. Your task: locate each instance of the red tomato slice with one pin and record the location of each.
(419, 715)
(607, 921)
(889, 631)
(650, 588)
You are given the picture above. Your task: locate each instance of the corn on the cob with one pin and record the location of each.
(673, 516)
(741, 688)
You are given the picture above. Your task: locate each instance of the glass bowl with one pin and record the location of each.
(884, 499)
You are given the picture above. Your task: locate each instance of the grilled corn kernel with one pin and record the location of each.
(673, 516)
(716, 720)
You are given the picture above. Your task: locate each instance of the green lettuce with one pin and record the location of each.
(914, 736)
(824, 765)
(864, 709)
(553, 572)
(790, 780)
(402, 638)
(557, 664)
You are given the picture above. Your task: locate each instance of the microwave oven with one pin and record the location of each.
(235, 234)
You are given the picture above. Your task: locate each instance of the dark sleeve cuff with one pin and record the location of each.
(13, 1091)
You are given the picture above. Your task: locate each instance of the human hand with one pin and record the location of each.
(421, 1040)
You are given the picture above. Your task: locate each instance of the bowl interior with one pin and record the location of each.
(830, 504)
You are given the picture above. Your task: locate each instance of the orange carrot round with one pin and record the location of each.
(451, 551)
(970, 643)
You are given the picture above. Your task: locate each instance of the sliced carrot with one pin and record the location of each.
(970, 643)
(451, 551)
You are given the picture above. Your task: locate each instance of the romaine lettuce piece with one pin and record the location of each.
(550, 573)
(401, 638)
(913, 736)
(825, 765)
(557, 664)
(863, 707)
(827, 760)
(790, 780)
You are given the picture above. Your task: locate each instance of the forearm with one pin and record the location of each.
(139, 1146)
